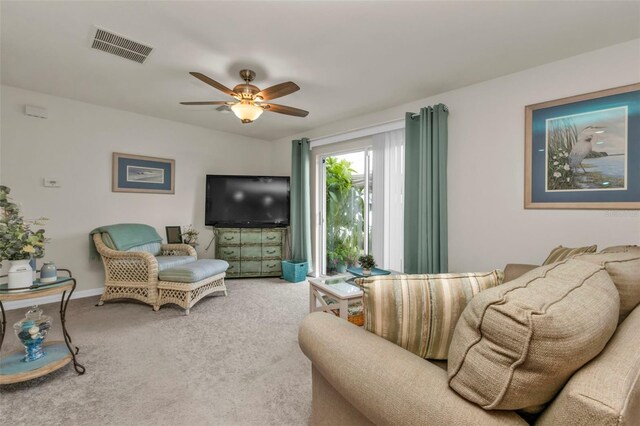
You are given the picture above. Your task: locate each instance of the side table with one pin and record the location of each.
(58, 353)
(336, 289)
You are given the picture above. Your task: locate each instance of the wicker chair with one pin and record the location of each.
(134, 274)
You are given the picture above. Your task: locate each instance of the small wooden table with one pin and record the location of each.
(58, 353)
(336, 289)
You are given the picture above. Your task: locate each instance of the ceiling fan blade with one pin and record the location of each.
(207, 103)
(285, 110)
(211, 82)
(278, 91)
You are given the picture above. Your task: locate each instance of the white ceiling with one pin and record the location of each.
(349, 58)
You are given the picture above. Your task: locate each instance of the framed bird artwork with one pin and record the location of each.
(583, 152)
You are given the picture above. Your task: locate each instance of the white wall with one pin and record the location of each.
(488, 226)
(75, 145)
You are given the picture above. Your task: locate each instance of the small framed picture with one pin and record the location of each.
(174, 235)
(583, 152)
(137, 173)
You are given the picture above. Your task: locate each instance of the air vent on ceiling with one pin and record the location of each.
(118, 45)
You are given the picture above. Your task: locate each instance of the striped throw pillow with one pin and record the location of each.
(560, 253)
(420, 312)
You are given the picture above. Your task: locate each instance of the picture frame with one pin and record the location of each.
(138, 173)
(583, 152)
(174, 234)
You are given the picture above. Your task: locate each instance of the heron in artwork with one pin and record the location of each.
(583, 146)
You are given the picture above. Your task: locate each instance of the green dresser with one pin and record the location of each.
(251, 252)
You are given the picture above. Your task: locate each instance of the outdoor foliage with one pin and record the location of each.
(18, 241)
(345, 214)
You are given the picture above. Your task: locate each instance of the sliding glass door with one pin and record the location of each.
(346, 198)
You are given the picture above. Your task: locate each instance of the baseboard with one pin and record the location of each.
(51, 299)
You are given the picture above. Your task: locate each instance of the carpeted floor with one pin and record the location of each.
(232, 361)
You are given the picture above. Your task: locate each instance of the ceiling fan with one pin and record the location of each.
(250, 100)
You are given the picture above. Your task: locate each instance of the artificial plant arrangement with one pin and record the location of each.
(18, 239)
(367, 262)
(190, 236)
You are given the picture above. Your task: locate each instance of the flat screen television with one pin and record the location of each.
(247, 201)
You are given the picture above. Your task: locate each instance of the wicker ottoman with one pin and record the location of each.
(185, 285)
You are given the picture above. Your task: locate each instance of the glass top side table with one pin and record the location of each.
(58, 353)
(336, 289)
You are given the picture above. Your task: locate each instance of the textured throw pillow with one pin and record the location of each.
(622, 249)
(624, 269)
(606, 391)
(419, 312)
(516, 345)
(560, 253)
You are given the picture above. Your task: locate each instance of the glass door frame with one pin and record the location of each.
(321, 241)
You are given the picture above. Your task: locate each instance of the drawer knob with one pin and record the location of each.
(228, 238)
(271, 251)
(228, 252)
(271, 238)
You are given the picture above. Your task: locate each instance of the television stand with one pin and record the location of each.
(251, 252)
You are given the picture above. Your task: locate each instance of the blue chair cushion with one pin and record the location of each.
(195, 271)
(168, 262)
(151, 248)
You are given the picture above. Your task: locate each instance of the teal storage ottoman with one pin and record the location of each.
(295, 271)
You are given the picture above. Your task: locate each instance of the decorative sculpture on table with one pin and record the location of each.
(32, 330)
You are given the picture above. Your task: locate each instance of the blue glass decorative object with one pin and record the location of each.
(32, 331)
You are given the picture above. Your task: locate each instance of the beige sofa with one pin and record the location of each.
(360, 378)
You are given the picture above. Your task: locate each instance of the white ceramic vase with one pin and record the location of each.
(20, 274)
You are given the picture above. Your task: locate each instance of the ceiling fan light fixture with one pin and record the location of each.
(246, 111)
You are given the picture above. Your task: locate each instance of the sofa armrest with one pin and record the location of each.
(386, 383)
(178, 250)
(515, 270)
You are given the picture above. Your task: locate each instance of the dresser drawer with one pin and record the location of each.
(250, 236)
(251, 267)
(234, 269)
(229, 252)
(271, 267)
(271, 252)
(251, 251)
(228, 236)
(271, 237)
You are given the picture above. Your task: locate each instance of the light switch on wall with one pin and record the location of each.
(52, 183)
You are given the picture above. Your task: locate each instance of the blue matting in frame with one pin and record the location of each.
(631, 100)
(134, 173)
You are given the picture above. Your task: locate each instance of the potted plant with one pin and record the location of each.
(338, 257)
(190, 236)
(19, 243)
(367, 262)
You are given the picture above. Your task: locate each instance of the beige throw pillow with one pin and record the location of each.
(560, 253)
(516, 345)
(622, 249)
(624, 269)
(419, 312)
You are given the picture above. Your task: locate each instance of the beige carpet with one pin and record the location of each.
(234, 360)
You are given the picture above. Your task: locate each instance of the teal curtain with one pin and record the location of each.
(300, 201)
(425, 205)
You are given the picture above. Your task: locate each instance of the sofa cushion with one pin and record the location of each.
(516, 345)
(166, 262)
(195, 271)
(624, 269)
(560, 253)
(419, 312)
(606, 391)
